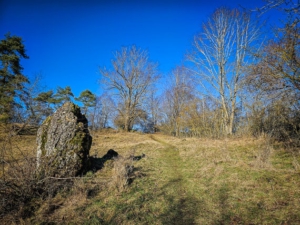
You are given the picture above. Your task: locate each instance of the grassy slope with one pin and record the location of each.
(185, 181)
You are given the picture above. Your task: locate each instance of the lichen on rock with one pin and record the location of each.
(64, 142)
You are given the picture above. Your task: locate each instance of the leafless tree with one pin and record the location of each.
(277, 67)
(101, 115)
(131, 78)
(28, 113)
(153, 106)
(221, 53)
(275, 76)
(177, 97)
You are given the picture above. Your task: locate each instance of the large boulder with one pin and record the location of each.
(63, 143)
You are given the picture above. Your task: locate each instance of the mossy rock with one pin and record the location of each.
(64, 142)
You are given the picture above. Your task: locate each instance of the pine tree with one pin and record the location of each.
(63, 95)
(12, 80)
(45, 99)
(88, 99)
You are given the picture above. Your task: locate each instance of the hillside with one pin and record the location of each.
(179, 181)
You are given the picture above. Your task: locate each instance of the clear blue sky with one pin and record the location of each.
(68, 40)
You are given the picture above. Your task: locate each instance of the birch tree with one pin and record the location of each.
(130, 79)
(221, 51)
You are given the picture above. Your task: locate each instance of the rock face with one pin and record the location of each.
(64, 142)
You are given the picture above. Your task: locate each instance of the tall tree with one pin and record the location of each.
(131, 78)
(12, 80)
(221, 53)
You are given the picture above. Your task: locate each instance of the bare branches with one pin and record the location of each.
(288, 6)
(178, 96)
(221, 52)
(277, 70)
(131, 78)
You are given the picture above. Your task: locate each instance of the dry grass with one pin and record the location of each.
(180, 181)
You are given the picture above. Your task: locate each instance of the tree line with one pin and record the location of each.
(234, 81)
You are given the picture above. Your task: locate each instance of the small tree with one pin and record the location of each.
(153, 106)
(45, 100)
(12, 80)
(177, 97)
(32, 112)
(63, 95)
(88, 100)
(104, 111)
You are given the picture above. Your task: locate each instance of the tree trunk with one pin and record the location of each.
(126, 123)
(177, 129)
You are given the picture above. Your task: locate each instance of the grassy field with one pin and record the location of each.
(180, 181)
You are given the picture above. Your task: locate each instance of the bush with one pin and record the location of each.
(22, 187)
(123, 172)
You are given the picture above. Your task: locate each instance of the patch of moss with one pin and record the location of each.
(45, 127)
(75, 109)
(78, 138)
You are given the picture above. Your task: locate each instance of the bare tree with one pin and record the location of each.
(277, 71)
(28, 113)
(221, 53)
(177, 97)
(131, 78)
(278, 63)
(153, 106)
(275, 77)
(100, 116)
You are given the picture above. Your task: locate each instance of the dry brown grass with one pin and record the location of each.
(180, 181)
(122, 173)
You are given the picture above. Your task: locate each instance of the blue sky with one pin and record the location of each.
(68, 40)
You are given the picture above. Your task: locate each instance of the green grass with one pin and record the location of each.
(185, 181)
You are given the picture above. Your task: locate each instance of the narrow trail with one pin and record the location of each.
(182, 204)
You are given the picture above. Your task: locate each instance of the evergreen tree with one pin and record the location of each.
(45, 99)
(12, 80)
(63, 95)
(88, 99)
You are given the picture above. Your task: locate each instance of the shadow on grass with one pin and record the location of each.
(174, 204)
(98, 163)
(178, 208)
(181, 211)
(183, 208)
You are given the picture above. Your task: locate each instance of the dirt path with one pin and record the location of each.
(182, 205)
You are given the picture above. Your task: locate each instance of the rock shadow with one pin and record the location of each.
(98, 163)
